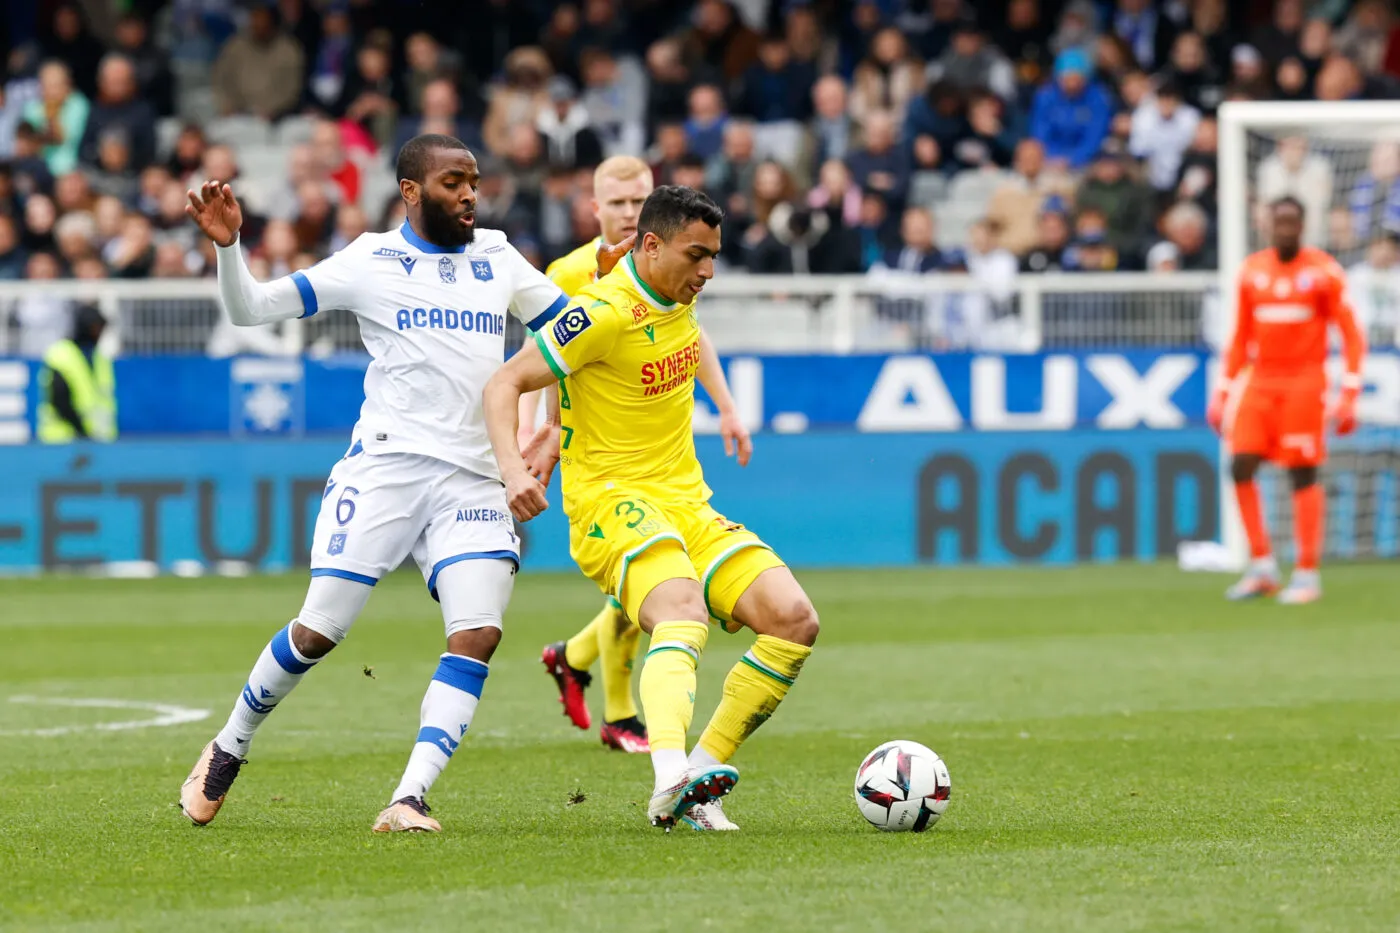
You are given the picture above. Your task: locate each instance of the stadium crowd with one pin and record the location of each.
(841, 137)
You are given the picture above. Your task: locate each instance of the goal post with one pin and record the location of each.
(1350, 126)
(1336, 156)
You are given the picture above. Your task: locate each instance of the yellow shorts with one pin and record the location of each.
(630, 545)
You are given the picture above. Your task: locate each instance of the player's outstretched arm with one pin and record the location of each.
(524, 372)
(246, 301)
(731, 427)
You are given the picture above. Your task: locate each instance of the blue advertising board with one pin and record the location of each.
(186, 395)
(294, 397)
(862, 461)
(821, 499)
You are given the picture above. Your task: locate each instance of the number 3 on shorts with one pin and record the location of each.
(631, 514)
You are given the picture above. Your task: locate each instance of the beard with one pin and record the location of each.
(443, 228)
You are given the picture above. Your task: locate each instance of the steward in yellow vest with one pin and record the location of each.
(77, 387)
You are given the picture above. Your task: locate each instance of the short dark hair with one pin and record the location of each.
(671, 208)
(1288, 200)
(412, 162)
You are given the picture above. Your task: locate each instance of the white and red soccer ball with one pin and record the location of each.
(902, 786)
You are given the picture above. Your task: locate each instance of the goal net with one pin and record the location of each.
(1342, 161)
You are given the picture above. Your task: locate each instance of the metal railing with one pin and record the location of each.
(743, 313)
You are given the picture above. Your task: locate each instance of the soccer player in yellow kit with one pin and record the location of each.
(640, 523)
(620, 186)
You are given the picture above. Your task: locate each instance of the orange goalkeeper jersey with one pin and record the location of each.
(1285, 309)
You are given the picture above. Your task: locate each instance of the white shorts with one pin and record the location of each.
(380, 508)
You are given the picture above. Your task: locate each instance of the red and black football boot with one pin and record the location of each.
(571, 682)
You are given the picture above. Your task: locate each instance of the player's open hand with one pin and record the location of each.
(1344, 415)
(610, 256)
(214, 208)
(736, 437)
(1215, 411)
(524, 495)
(541, 453)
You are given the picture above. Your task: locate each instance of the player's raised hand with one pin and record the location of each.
(736, 437)
(214, 208)
(541, 453)
(610, 256)
(525, 495)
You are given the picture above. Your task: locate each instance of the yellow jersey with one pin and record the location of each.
(576, 270)
(626, 360)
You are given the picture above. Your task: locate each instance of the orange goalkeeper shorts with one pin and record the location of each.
(1282, 420)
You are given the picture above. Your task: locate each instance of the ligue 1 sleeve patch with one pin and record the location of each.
(570, 324)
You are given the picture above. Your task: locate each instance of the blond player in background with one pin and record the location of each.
(620, 187)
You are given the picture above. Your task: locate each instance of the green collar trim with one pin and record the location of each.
(656, 299)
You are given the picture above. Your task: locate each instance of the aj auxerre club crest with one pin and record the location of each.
(481, 269)
(447, 271)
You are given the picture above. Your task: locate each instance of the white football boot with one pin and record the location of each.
(1305, 586)
(710, 816)
(1260, 579)
(696, 785)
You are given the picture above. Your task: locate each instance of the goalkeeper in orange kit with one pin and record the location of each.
(1274, 380)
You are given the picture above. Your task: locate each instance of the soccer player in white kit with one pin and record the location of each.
(418, 477)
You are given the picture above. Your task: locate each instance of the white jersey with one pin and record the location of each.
(433, 320)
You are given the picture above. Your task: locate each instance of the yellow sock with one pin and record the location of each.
(668, 682)
(617, 649)
(582, 650)
(752, 691)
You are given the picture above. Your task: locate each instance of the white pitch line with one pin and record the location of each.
(167, 714)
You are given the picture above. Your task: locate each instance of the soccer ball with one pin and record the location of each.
(902, 787)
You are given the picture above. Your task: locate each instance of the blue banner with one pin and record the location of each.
(1162, 390)
(822, 499)
(185, 395)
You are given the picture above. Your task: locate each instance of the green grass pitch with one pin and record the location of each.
(1128, 753)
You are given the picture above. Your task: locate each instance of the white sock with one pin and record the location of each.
(668, 763)
(1306, 577)
(699, 758)
(1264, 565)
(447, 712)
(280, 667)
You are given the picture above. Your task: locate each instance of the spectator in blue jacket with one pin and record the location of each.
(880, 164)
(704, 129)
(777, 89)
(1071, 115)
(938, 114)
